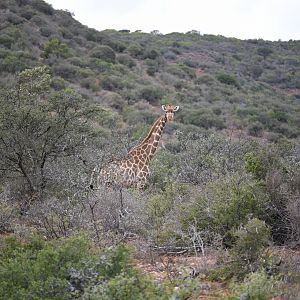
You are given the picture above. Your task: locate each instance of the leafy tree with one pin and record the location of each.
(37, 128)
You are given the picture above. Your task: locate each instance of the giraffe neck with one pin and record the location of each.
(146, 149)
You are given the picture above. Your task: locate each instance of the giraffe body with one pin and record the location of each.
(133, 171)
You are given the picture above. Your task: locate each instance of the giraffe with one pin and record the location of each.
(133, 170)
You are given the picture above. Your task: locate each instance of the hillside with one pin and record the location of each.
(219, 216)
(221, 83)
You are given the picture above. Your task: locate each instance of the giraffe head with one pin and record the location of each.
(170, 109)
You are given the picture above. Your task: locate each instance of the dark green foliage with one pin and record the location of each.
(111, 83)
(66, 71)
(153, 94)
(27, 13)
(151, 54)
(228, 79)
(13, 62)
(256, 286)
(45, 31)
(104, 53)
(126, 60)
(260, 163)
(203, 119)
(255, 129)
(135, 49)
(56, 48)
(280, 116)
(6, 40)
(224, 205)
(248, 252)
(42, 6)
(264, 52)
(256, 71)
(37, 269)
(69, 268)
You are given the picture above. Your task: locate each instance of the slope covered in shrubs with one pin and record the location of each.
(226, 179)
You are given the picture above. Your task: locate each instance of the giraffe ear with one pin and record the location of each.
(164, 108)
(176, 108)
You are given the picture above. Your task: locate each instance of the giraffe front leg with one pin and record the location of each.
(142, 180)
(141, 185)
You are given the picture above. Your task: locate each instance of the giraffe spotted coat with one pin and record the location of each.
(133, 170)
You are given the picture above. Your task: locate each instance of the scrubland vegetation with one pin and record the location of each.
(225, 184)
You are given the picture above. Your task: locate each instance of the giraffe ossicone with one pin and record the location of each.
(133, 170)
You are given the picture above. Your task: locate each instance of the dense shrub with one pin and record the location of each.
(12, 63)
(150, 54)
(126, 60)
(228, 79)
(203, 119)
(70, 268)
(6, 40)
(255, 129)
(27, 13)
(151, 93)
(104, 53)
(66, 71)
(256, 286)
(39, 21)
(42, 6)
(111, 83)
(135, 49)
(56, 48)
(227, 203)
(46, 31)
(264, 52)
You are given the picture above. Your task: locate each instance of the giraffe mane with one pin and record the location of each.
(149, 134)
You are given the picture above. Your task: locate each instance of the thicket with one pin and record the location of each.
(73, 269)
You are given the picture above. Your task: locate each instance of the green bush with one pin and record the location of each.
(13, 62)
(255, 129)
(264, 52)
(203, 118)
(6, 40)
(126, 60)
(56, 48)
(256, 286)
(251, 240)
(111, 83)
(72, 268)
(42, 6)
(104, 53)
(259, 164)
(58, 83)
(248, 253)
(46, 31)
(27, 13)
(228, 79)
(66, 71)
(135, 49)
(39, 270)
(225, 204)
(150, 54)
(153, 94)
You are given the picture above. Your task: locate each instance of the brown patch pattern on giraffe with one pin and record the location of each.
(133, 170)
